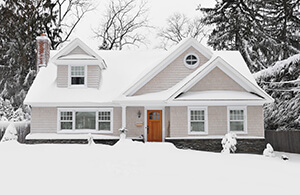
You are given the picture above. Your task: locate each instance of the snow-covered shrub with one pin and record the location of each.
(229, 143)
(10, 133)
(6, 109)
(123, 132)
(269, 151)
(8, 113)
(91, 140)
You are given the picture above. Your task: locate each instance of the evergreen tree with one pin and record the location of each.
(282, 24)
(21, 22)
(263, 31)
(282, 82)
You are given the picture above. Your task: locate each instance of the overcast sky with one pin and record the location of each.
(159, 11)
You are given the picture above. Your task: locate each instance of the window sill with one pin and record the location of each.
(239, 132)
(77, 86)
(84, 131)
(197, 133)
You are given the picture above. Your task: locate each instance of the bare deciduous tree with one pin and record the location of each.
(69, 13)
(122, 23)
(178, 27)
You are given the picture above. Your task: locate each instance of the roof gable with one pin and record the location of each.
(78, 52)
(151, 72)
(234, 74)
(216, 79)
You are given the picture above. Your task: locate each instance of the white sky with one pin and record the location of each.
(159, 11)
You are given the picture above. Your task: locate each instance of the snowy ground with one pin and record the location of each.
(137, 168)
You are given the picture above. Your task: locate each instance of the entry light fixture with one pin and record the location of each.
(139, 114)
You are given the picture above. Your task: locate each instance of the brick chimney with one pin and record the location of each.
(43, 51)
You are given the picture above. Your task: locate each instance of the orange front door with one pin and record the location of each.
(154, 125)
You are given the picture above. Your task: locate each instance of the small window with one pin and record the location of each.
(191, 61)
(104, 121)
(154, 116)
(66, 119)
(237, 120)
(77, 75)
(197, 120)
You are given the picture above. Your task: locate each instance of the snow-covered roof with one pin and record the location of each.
(123, 69)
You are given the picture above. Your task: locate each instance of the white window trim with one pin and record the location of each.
(205, 121)
(73, 110)
(191, 66)
(244, 108)
(70, 80)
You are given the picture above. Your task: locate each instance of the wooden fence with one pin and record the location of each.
(285, 141)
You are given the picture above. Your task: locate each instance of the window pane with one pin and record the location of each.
(66, 125)
(197, 115)
(197, 126)
(237, 126)
(191, 60)
(104, 116)
(66, 116)
(236, 114)
(77, 70)
(85, 120)
(104, 126)
(77, 81)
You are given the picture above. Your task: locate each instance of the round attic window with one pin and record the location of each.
(191, 60)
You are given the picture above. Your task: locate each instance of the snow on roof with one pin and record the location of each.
(123, 69)
(218, 95)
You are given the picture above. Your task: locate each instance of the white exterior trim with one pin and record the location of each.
(205, 121)
(78, 43)
(123, 117)
(146, 121)
(73, 110)
(244, 108)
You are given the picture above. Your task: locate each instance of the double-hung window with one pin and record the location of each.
(237, 119)
(197, 118)
(77, 75)
(66, 120)
(86, 120)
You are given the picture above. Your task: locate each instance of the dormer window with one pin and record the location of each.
(77, 75)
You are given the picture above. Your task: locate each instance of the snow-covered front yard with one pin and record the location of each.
(138, 168)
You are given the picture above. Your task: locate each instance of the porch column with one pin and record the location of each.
(123, 117)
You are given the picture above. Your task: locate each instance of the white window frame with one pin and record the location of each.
(70, 76)
(74, 110)
(244, 108)
(194, 65)
(205, 121)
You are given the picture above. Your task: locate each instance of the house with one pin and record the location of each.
(187, 93)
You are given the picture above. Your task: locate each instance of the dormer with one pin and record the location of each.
(78, 66)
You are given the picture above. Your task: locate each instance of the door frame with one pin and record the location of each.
(146, 121)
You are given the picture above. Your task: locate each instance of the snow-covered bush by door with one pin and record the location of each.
(229, 143)
(269, 151)
(10, 134)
